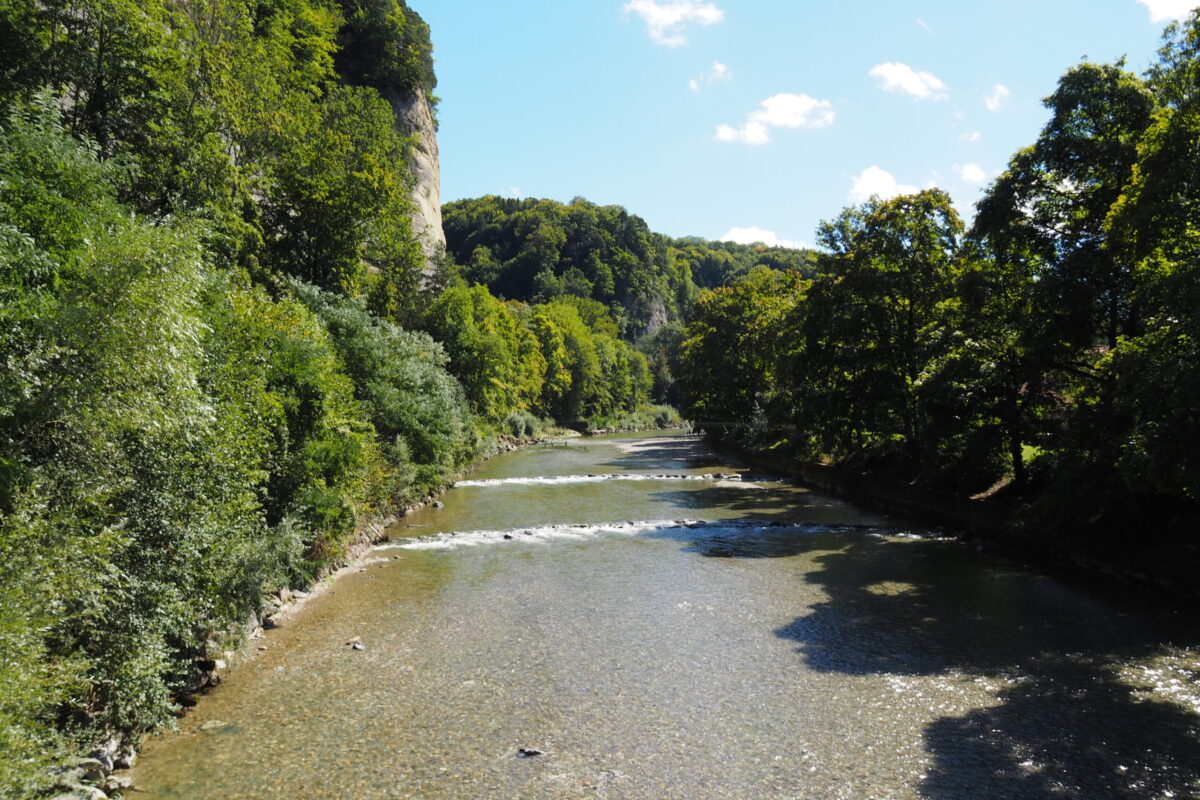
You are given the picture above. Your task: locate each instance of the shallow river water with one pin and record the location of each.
(661, 636)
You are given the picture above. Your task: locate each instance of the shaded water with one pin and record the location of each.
(659, 636)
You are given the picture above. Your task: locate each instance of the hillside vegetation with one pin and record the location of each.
(219, 360)
(1048, 357)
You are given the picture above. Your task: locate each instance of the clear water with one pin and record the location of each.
(674, 637)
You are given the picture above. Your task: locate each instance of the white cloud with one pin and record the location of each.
(973, 173)
(753, 235)
(996, 99)
(717, 72)
(1163, 10)
(515, 191)
(973, 136)
(897, 77)
(750, 133)
(794, 111)
(779, 111)
(874, 181)
(665, 20)
(925, 25)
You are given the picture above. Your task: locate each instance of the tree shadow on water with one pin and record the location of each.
(1071, 720)
(669, 453)
(1080, 682)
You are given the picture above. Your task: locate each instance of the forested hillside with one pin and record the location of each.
(537, 250)
(1048, 357)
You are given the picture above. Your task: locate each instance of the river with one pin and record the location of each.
(599, 619)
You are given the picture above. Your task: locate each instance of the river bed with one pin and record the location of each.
(638, 617)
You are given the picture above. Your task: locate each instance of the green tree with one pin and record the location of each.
(728, 358)
(498, 361)
(873, 322)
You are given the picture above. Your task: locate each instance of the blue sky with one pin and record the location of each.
(756, 119)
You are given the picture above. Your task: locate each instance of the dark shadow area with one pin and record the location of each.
(1076, 715)
(1068, 724)
(771, 503)
(755, 538)
(1071, 729)
(670, 453)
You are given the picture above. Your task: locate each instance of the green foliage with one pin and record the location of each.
(728, 357)
(1064, 324)
(385, 45)
(235, 113)
(540, 250)
(714, 264)
(522, 425)
(497, 360)
(152, 404)
(417, 408)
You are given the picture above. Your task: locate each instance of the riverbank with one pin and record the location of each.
(1150, 558)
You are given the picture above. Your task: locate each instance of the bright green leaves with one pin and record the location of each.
(417, 408)
(497, 360)
(728, 358)
(337, 200)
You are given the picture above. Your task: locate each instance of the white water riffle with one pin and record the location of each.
(564, 480)
(548, 533)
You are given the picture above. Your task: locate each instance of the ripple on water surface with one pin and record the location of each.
(687, 639)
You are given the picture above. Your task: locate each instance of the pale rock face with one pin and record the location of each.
(415, 117)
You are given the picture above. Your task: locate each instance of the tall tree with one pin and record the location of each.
(872, 322)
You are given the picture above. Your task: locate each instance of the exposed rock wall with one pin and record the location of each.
(415, 117)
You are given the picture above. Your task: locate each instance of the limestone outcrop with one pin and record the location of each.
(414, 116)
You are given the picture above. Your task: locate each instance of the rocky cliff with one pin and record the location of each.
(415, 117)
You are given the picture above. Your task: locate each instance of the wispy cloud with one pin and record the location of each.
(925, 25)
(1163, 10)
(897, 77)
(876, 182)
(995, 100)
(665, 20)
(717, 72)
(755, 235)
(973, 136)
(779, 111)
(973, 174)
